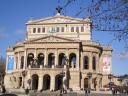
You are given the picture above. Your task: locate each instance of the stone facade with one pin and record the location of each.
(58, 51)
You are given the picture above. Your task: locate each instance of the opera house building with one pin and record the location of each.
(58, 52)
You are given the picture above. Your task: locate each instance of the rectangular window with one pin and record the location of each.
(62, 29)
(43, 30)
(82, 29)
(34, 30)
(77, 29)
(57, 29)
(38, 30)
(72, 29)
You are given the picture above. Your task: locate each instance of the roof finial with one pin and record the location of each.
(58, 10)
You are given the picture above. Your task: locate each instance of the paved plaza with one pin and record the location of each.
(57, 93)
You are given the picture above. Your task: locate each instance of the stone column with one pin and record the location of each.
(90, 62)
(35, 54)
(40, 83)
(45, 57)
(82, 83)
(81, 61)
(77, 60)
(25, 59)
(56, 58)
(67, 55)
(17, 80)
(19, 63)
(52, 83)
(97, 63)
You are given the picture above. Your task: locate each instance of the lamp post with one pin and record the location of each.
(24, 73)
(89, 75)
(64, 76)
(62, 88)
(110, 77)
(100, 75)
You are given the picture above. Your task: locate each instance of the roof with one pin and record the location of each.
(58, 19)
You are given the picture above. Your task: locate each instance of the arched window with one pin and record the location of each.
(86, 62)
(62, 60)
(94, 63)
(40, 59)
(35, 80)
(51, 59)
(22, 62)
(72, 60)
(30, 59)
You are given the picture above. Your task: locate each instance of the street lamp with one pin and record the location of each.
(64, 76)
(24, 73)
(62, 89)
(89, 75)
(100, 75)
(110, 77)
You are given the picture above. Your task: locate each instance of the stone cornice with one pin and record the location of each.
(58, 19)
(91, 44)
(51, 39)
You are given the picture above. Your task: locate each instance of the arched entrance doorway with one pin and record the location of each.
(58, 82)
(46, 82)
(35, 82)
(86, 83)
(20, 82)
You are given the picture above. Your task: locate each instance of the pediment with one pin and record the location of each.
(58, 19)
(50, 39)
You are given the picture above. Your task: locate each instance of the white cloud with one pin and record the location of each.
(3, 33)
(20, 32)
(123, 55)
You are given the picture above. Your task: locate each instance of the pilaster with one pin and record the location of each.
(78, 59)
(82, 83)
(56, 57)
(90, 61)
(18, 66)
(40, 83)
(52, 83)
(97, 63)
(67, 55)
(45, 57)
(35, 53)
(25, 59)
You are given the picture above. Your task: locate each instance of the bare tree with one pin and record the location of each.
(2, 69)
(106, 15)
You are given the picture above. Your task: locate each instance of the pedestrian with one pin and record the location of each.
(0, 88)
(113, 91)
(3, 89)
(85, 90)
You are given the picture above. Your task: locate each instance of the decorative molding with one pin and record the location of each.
(59, 19)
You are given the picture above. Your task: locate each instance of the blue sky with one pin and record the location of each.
(15, 13)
